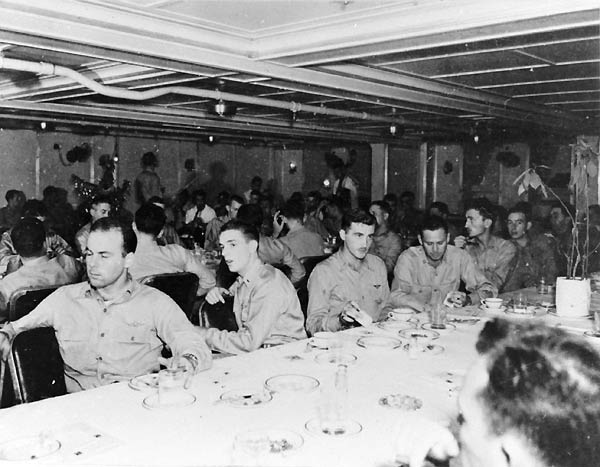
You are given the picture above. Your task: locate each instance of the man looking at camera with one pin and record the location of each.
(111, 328)
(431, 272)
(349, 283)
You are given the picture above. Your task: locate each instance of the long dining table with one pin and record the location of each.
(112, 426)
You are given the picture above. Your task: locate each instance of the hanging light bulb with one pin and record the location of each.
(393, 130)
(220, 108)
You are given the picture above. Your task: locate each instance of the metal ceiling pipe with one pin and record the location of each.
(45, 68)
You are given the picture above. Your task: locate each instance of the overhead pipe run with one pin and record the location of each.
(45, 68)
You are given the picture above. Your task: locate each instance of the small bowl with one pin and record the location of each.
(401, 314)
(492, 302)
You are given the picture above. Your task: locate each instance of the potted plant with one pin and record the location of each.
(573, 290)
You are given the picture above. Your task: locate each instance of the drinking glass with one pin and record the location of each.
(171, 385)
(520, 304)
(438, 316)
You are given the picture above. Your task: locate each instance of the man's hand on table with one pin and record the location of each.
(456, 298)
(217, 294)
(418, 438)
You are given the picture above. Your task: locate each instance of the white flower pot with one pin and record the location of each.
(573, 297)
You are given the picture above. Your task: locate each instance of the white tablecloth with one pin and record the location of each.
(203, 433)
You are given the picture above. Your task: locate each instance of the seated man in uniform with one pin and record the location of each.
(301, 241)
(349, 280)
(38, 270)
(431, 272)
(265, 304)
(492, 254)
(532, 399)
(100, 206)
(111, 328)
(535, 254)
(150, 258)
(271, 250)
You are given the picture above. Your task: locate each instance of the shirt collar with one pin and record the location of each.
(130, 290)
(253, 272)
(343, 255)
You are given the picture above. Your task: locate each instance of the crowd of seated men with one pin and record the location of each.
(373, 265)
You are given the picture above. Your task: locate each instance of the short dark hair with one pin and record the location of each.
(482, 205)
(196, 193)
(10, 194)
(28, 237)
(433, 223)
(102, 199)
(293, 209)
(35, 208)
(357, 216)
(249, 231)
(314, 194)
(149, 159)
(251, 214)
(383, 205)
(256, 179)
(150, 219)
(523, 208)
(440, 206)
(568, 210)
(237, 198)
(108, 224)
(390, 197)
(545, 385)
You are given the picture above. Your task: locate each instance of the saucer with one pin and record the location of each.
(269, 441)
(336, 358)
(379, 342)
(152, 402)
(428, 348)
(401, 401)
(419, 334)
(499, 309)
(28, 448)
(449, 328)
(343, 428)
(147, 382)
(395, 325)
(245, 397)
(292, 383)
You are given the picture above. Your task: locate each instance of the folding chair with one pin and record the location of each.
(180, 286)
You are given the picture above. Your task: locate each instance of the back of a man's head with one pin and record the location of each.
(544, 385)
(293, 209)
(251, 214)
(150, 219)
(357, 216)
(28, 237)
(113, 224)
(35, 208)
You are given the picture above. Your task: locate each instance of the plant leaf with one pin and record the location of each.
(592, 169)
(521, 189)
(518, 179)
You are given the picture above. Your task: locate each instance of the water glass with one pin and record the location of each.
(438, 316)
(171, 385)
(520, 304)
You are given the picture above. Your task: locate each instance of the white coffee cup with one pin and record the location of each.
(401, 314)
(492, 303)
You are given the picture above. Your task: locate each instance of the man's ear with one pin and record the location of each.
(420, 239)
(129, 260)
(253, 245)
(528, 225)
(134, 227)
(487, 223)
(343, 235)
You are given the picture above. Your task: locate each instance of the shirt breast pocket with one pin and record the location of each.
(134, 334)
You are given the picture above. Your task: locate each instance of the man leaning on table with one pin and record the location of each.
(432, 271)
(111, 328)
(265, 305)
(351, 282)
(532, 399)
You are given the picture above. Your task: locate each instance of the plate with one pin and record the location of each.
(268, 442)
(426, 348)
(336, 358)
(246, 397)
(28, 448)
(152, 402)
(401, 401)
(342, 428)
(419, 334)
(449, 328)
(292, 383)
(530, 311)
(379, 342)
(147, 382)
(395, 325)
